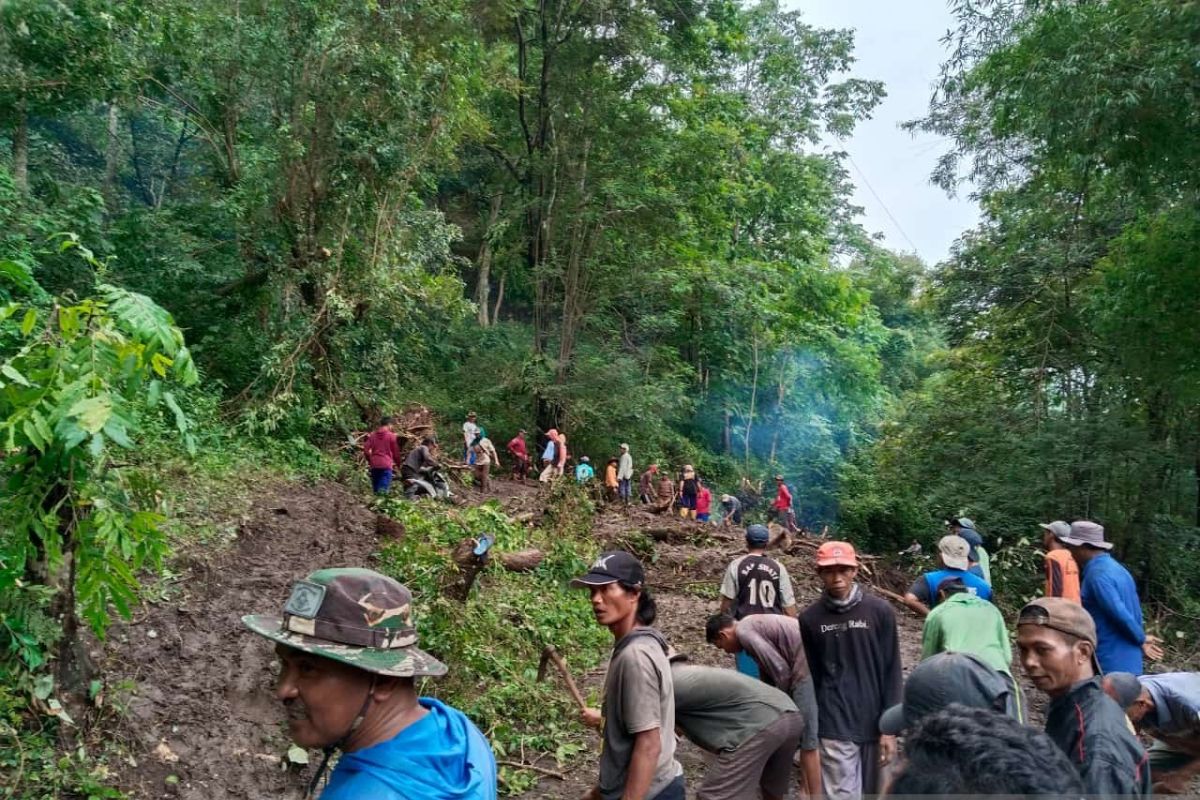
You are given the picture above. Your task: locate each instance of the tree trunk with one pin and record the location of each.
(753, 401)
(112, 155)
(483, 288)
(726, 432)
(20, 150)
(499, 299)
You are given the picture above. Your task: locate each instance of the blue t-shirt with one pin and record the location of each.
(443, 756)
(584, 472)
(925, 587)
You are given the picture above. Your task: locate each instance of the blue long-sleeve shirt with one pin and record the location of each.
(1110, 596)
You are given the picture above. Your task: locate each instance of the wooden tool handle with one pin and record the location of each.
(566, 674)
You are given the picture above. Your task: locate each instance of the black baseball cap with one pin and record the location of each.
(610, 567)
(941, 680)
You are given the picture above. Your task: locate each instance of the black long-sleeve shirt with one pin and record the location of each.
(854, 657)
(1091, 729)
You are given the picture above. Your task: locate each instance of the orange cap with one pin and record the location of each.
(832, 554)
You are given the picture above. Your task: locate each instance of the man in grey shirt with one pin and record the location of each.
(774, 642)
(1167, 707)
(752, 728)
(638, 717)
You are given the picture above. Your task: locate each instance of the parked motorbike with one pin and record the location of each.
(431, 483)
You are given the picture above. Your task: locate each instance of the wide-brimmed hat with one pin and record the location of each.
(356, 616)
(1086, 533)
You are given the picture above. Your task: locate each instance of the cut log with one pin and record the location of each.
(458, 581)
(522, 560)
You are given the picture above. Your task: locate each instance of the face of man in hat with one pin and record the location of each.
(837, 579)
(322, 696)
(1052, 660)
(612, 603)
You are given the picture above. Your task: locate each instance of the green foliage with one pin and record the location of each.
(76, 380)
(494, 641)
(1068, 388)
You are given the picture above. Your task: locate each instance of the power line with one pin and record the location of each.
(882, 204)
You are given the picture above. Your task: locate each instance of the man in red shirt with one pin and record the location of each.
(520, 455)
(382, 452)
(783, 505)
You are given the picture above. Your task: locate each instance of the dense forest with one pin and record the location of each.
(274, 221)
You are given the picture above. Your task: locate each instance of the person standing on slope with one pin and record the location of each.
(853, 651)
(1062, 573)
(382, 451)
(1110, 597)
(637, 761)
(516, 448)
(782, 506)
(625, 475)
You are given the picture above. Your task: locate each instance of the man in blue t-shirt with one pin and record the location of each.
(349, 656)
(952, 555)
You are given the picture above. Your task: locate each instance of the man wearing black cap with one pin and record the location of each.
(949, 678)
(1057, 642)
(638, 717)
(1165, 706)
(348, 651)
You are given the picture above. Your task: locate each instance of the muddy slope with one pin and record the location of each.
(201, 722)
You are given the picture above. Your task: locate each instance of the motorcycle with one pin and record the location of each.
(431, 483)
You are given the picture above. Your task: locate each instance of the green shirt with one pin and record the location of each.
(966, 623)
(720, 709)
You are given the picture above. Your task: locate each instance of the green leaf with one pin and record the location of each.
(29, 321)
(12, 374)
(92, 412)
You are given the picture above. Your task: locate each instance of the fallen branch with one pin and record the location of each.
(550, 773)
(522, 560)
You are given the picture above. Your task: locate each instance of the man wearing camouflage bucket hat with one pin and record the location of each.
(349, 659)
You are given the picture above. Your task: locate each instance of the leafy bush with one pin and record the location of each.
(494, 641)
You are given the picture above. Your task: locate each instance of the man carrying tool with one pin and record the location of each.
(1057, 642)
(1166, 707)
(638, 717)
(853, 652)
(752, 729)
(349, 657)
(773, 641)
(952, 556)
(646, 491)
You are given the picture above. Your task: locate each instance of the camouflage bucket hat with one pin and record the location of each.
(355, 616)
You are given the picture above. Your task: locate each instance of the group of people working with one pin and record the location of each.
(822, 687)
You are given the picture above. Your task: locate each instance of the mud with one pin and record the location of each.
(201, 721)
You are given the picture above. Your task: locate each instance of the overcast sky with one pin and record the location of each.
(897, 41)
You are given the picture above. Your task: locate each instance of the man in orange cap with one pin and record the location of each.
(853, 653)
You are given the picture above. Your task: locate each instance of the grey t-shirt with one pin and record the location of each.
(639, 695)
(1176, 698)
(720, 709)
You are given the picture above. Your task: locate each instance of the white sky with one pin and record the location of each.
(898, 42)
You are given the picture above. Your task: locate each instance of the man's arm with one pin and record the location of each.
(931, 639)
(647, 746)
(787, 594)
(1054, 578)
(1109, 597)
(917, 597)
